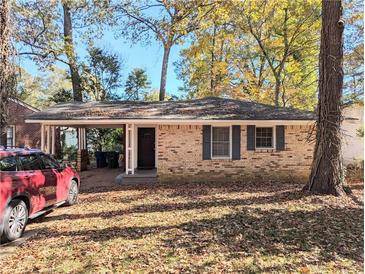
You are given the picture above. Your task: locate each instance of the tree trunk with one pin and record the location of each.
(277, 90)
(165, 61)
(70, 53)
(327, 175)
(5, 72)
(212, 61)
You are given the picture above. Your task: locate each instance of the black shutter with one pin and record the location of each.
(206, 142)
(236, 142)
(280, 138)
(251, 140)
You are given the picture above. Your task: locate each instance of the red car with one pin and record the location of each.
(31, 183)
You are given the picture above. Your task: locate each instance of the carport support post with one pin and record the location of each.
(81, 151)
(129, 150)
(42, 137)
(53, 140)
(48, 150)
(124, 137)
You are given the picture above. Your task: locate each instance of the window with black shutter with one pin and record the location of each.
(264, 137)
(207, 142)
(221, 142)
(280, 138)
(236, 142)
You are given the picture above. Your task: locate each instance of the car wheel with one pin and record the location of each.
(15, 220)
(73, 192)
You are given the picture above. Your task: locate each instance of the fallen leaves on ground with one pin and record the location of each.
(232, 227)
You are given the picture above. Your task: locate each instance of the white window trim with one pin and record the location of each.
(230, 144)
(13, 127)
(273, 138)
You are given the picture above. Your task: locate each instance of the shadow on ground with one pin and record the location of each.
(282, 197)
(333, 231)
(276, 221)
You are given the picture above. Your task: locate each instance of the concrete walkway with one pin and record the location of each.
(99, 177)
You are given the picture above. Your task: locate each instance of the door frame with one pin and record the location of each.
(136, 143)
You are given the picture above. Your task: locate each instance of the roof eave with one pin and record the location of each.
(166, 121)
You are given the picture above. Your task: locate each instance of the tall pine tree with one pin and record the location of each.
(327, 174)
(6, 72)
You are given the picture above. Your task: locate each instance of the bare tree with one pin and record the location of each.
(168, 21)
(48, 31)
(70, 52)
(327, 174)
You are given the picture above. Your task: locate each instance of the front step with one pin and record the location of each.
(129, 180)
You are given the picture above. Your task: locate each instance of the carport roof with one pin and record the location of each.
(209, 108)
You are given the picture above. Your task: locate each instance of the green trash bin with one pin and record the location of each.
(112, 158)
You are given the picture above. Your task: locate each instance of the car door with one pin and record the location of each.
(54, 172)
(38, 179)
(50, 172)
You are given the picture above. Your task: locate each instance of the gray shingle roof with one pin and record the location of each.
(209, 108)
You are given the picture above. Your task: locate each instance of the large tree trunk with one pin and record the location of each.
(5, 71)
(165, 61)
(327, 175)
(70, 53)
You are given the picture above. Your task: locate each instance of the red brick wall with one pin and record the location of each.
(25, 134)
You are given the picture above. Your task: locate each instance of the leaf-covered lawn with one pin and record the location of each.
(232, 227)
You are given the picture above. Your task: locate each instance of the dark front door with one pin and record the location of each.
(146, 148)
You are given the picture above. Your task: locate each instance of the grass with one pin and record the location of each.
(233, 227)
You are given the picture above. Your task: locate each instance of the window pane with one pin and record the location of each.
(9, 136)
(220, 134)
(220, 149)
(220, 142)
(8, 164)
(30, 162)
(264, 137)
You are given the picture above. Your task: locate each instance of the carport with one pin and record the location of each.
(48, 138)
(95, 115)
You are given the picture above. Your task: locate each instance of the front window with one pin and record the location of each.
(264, 137)
(10, 136)
(221, 142)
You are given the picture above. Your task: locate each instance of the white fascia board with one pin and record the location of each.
(168, 122)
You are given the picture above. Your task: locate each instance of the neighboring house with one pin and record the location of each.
(208, 139)
(18, 133)
(353, 144)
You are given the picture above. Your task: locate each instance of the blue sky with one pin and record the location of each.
(133, 56)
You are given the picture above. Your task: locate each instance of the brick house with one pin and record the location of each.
(19, 133)
(352, 143)
(208, 139)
